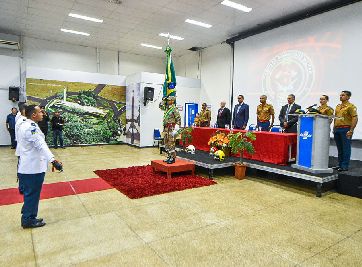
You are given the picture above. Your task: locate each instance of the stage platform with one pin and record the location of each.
(203, 159)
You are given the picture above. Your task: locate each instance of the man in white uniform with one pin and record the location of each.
(19, 121)
(33, 163)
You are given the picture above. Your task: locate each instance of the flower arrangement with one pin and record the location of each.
(219, 140)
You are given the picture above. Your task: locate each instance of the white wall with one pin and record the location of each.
(9, 76)
(54, 55)
(216, 77)
(188, 65)
(188, 90)
(130, 63)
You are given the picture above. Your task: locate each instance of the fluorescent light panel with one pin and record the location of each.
(171, 36)
(151, 46)
(85, 17)
(198, 23)
(236, 5)
(75, 32)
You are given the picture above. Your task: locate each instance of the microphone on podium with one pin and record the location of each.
(314, 105)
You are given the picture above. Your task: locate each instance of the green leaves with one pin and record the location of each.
(240, 142)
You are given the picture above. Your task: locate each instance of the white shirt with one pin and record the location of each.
(240, 104)
(34, 152)
(19, 121)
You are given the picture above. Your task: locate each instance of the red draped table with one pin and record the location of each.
(277, 148)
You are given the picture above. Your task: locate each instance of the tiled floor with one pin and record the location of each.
(254, 222)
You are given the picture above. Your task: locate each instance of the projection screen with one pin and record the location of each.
(315, 56)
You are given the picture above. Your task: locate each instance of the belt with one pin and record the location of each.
(343, 126)
(262, 121)
(170, 124)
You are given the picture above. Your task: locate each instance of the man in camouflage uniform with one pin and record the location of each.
(171, 122)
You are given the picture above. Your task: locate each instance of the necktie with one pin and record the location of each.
(287, 113)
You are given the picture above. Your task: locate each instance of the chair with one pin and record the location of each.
(276, 129)
(157, 138)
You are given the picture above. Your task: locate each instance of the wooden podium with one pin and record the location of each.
(179, 166)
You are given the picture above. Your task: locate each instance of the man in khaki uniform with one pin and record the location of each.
(264, 112)
(205, 116)
(171, 124)
(344, 124)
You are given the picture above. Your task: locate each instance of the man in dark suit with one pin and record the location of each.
(240, 114)
(223, 116)
(287, 121)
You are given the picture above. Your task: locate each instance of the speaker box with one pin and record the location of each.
(14, 93)
(148, 93)
(350, 183)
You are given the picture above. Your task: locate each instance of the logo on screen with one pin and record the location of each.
(289, 72)
(305, 135)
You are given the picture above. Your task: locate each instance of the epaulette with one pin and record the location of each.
(33, 124)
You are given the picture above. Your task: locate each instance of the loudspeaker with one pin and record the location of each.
(14, 93)
(148, 93)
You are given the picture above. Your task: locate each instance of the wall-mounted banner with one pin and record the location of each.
(94, 113)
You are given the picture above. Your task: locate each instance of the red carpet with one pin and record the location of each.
(141, 181)
(61, 189)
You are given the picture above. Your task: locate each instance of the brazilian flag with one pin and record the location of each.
(169, 86)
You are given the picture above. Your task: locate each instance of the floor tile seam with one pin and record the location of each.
(325, 249)
(77, 196)
(329, 230)
(130, 227)
(183, 233)
(33, 246)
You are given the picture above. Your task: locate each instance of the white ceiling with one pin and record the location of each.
(133, 22)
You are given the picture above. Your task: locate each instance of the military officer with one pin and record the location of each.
(19, 121)
(205, 116)
(345, 121)
(264, 112)
(171, 124)
(324, 109)
(34, 158)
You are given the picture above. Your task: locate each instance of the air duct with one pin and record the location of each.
(9, 41)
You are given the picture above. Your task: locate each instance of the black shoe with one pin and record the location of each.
(34, 224)
(55, 147)
(335, 167)
(62, 147)
(38, 219)
(342, 170)
(21, 192)
(172, 160)
(167, 160)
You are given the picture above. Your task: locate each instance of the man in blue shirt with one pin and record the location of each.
(10, 125)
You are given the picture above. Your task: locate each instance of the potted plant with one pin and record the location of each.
(240, 142)
(186, 136)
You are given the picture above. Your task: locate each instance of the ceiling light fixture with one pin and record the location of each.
(236, 6)
(198, 23)
(151, 46)
(85, 17)
(75, 32)
(167, 35)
